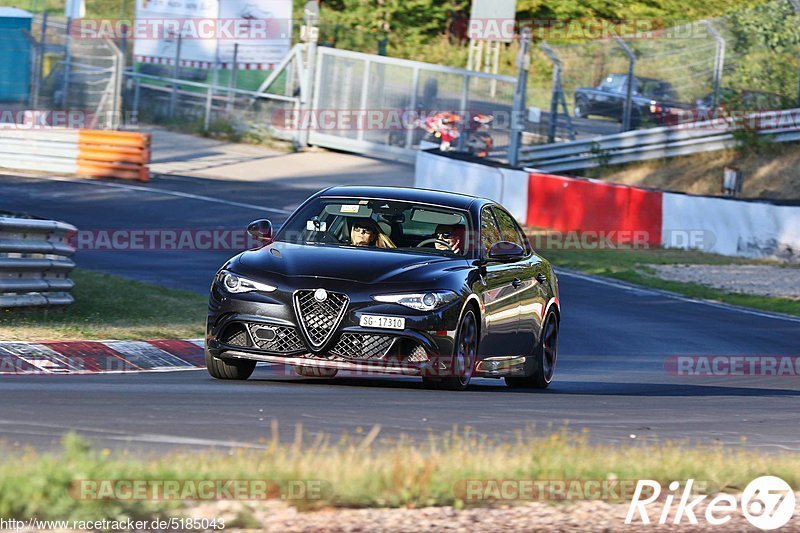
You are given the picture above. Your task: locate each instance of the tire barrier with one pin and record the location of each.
(93, 153)
(623, 214)
(35, 263)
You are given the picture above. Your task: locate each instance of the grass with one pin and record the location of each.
(632, 266)
(111, 307)
(355, 472)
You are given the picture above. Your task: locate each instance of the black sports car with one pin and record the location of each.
(389, 280)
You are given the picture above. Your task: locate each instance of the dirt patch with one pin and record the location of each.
(534, 516)
(763, 280)
(771, 173)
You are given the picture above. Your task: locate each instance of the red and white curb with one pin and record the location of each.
(93, 357)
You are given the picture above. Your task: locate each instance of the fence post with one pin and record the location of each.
(232, 78)
(310, 34)
(719, 61)
(176, 72)
(555, 95)
(137, 89)
(626, 113)
(413, 108)
(796, 5)
(518, 109)
(464, 130)
(67, 65)
(207, 116)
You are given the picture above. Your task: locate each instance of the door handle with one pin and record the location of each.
(516, 283)
(541, 278)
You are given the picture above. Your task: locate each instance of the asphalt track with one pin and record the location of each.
(611, 377)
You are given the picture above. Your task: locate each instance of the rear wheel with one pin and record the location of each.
(229, 369)
(545, 359)
(466, 350)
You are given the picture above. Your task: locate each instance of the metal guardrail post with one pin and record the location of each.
(518, 108)
(719, 61)
(626, 113)
(555, 91)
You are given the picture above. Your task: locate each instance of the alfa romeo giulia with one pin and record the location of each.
(388, 280)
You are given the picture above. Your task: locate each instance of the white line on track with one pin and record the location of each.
(674, 296)
(155, 190)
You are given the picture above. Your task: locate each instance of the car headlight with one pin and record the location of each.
(422, 301)
(237, 284)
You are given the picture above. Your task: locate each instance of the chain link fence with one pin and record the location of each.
(59, 81)
(745, 61)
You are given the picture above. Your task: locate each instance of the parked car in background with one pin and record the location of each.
(652, 100)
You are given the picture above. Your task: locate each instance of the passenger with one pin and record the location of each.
(452, 234)
(367, 232)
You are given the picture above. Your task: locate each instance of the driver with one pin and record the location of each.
(367, 232)
(453, 235)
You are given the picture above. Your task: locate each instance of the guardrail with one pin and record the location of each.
(35, 263)
(95, 153)
(658, 143)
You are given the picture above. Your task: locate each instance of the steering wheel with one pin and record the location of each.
(439, 241)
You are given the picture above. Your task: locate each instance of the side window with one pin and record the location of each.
(490, 234)
(508, 228)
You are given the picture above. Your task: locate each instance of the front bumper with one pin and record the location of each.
(266, 327)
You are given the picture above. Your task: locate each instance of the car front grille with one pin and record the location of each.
(319, 319)
(362, 346)
(278, 339)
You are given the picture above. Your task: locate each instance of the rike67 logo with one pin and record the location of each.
(767, 503)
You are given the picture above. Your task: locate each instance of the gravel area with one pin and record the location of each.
(765, 280)
(600, 516)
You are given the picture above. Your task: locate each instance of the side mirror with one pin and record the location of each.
(506, 252)
(261, 230)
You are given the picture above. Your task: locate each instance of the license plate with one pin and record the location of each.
(383, 322)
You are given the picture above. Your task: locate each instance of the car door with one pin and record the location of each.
(498, 295)
(531, 280)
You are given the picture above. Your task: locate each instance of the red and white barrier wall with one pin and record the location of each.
(620, 213)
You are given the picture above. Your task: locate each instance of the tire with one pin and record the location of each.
(580, 109)
(546, 357)
(315, 372)
(466, 348)
(229, 369)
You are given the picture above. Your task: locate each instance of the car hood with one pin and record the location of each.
(362, 265)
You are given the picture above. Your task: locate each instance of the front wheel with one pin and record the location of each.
(581, 109)
(229, 369)
(465, 354)
(545, 359)
(315, 372)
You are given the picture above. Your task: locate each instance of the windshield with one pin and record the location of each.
(380, 224)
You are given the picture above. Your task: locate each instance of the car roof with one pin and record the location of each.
(408, 194)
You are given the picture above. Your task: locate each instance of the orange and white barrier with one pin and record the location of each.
(94, 153)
